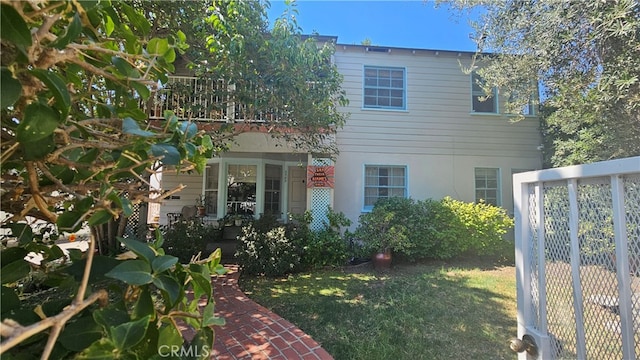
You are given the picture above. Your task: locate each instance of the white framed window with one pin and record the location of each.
(384, 88)
(480, 102)
(487, 181)
(383, 181)
(211, 188)
(273, 189)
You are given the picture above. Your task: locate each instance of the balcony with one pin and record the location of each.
(201, 99)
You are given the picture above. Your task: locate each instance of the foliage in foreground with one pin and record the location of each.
(417, 229)
(135, 309)
(418, 311)
(270, 248)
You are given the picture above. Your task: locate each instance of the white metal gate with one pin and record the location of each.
(578, 260)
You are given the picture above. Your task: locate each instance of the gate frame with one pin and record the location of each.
(614, 169)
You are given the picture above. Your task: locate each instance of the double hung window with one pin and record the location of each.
(384, 88)
(480, 101)
(488, 185)
(383, 182)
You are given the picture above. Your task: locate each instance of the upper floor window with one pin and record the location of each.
(480, 102)
(384, 88)
(488, 185)
(383, 182)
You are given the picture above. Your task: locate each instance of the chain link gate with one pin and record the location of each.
(578, 261)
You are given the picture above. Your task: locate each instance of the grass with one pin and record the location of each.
(417, 311)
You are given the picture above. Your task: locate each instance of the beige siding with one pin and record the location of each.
(186, 197)
(437, 137)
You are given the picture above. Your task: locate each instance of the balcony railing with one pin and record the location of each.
(204, 100)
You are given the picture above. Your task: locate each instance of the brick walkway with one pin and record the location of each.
(254, 332)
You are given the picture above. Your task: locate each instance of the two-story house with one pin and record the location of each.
(417, 128)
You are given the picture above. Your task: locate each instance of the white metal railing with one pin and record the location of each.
(203, 99)
(578, 260)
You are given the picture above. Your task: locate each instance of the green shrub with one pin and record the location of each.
(480, 226)
(416, 229)
(385, 227)
(325, 247)
(265, 250)
(185, 239)
(270, 248)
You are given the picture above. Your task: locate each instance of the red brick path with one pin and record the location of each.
(254, 332)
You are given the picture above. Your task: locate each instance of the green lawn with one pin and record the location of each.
(419, 311)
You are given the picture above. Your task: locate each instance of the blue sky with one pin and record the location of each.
(410, 24)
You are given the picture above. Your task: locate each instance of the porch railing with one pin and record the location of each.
(204, 99)
(578, 260)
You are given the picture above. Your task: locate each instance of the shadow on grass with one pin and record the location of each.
(418, 311)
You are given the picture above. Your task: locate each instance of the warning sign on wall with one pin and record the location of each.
(320, 176)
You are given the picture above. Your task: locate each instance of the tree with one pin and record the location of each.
(76, 149)
(280, 76)
(586, 56)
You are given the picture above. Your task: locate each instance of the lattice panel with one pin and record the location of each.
(320, 200)
(597, 271)
(132, 229)
(561, 320)
(533, 240)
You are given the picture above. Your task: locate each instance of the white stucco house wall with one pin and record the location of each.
(416, 128)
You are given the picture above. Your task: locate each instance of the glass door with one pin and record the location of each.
(241, 189)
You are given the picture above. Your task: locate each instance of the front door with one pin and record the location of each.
(297, 189)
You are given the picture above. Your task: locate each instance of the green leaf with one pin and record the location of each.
(132, 272)
(110, 317)
(81, 333)
(144, 305)
(9, 299)
(22, 232)
(170, 56)
(85, 204)
(162, 263)
(73, 31)
(70, 221)
(171, 155)
(100, 266)
(129, 334)
(11, 87)
(99, 350)
(122, 66)
(100, 217)
(170, 286)
(141, 89)
(38, 149)
(141, 249)
(57, 87)
(39, 122)
(157, 46)
(12, 254)
(189, 129)
(13, 27)
(127, 206)
(137, 19)
(170, 336)
(109, 26)
(201, 285)
(209, 318)
(14, 271)
(130, 126)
